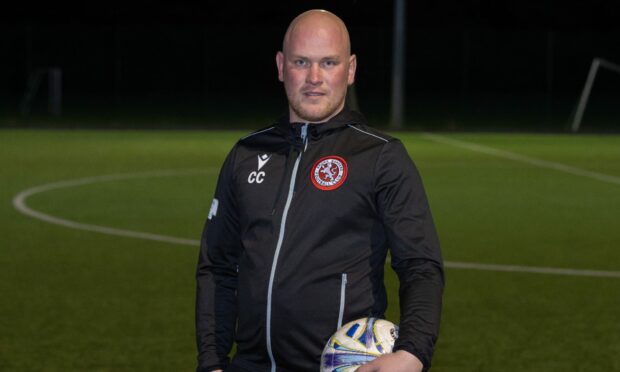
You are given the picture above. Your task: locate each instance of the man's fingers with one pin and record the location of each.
(368, 367)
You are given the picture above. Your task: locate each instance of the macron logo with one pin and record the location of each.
(262, 160)
(258, 176)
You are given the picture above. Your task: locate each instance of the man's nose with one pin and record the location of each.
(314, 75)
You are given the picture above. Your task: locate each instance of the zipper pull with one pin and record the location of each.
(304, 136)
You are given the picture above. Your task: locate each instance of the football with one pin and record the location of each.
(358, 342)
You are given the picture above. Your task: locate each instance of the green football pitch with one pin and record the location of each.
(99, 230)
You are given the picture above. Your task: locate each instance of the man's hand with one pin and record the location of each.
(399, 361)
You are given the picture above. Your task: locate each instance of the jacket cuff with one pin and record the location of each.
(426, 363)
(211, 367)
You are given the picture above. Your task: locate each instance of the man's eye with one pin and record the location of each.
(300, 62)
(329, 63)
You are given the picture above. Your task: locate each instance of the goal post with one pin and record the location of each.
(54, 103)
(54, 90)
(585, 94)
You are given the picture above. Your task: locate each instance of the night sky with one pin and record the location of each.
(464, 58)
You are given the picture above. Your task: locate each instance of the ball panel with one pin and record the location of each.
(358, 342)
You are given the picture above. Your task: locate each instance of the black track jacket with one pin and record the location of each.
(296, 241)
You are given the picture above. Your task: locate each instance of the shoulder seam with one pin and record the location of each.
(255, 133)
(368, 133)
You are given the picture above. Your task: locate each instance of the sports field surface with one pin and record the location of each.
(99, 233)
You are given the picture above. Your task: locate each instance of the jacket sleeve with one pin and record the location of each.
(414, 247)
(216, 275)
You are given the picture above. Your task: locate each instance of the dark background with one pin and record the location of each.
(471, 65)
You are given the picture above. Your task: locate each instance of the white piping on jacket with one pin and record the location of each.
(289, 198)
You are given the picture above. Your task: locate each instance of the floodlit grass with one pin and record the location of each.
(79, 300)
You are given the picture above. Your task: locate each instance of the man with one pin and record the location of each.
(303, 215)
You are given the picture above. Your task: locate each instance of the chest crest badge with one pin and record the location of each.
(329, 173)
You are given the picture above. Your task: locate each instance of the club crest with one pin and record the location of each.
(329, 173)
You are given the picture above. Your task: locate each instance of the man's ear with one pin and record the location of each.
(352, 68)
(280, 64)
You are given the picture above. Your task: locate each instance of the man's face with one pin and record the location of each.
(316, 69)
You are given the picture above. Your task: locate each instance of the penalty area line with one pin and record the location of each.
(522, 158)
(531, 269)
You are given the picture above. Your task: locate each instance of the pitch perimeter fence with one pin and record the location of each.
(189, 74)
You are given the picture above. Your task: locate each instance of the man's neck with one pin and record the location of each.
(294, 118)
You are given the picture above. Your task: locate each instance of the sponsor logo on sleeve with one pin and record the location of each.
(213, 210)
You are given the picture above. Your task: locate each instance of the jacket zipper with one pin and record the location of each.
(289, 198)
(343, 290)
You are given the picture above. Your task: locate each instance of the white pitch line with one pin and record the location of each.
(531, 269)
(19, 202)
(524, 159)
(539, 163)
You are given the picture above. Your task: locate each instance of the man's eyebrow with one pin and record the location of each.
(333, 57)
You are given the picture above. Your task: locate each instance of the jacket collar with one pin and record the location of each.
(340, 120)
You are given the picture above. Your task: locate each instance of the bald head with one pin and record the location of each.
(316, 66)
(318, 22)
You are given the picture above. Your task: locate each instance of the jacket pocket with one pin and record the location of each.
(343, 292)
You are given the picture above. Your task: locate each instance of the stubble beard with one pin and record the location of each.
(316, 113)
